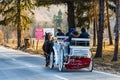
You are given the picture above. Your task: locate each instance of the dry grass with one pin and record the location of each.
(105, 63)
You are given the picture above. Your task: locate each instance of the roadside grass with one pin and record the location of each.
(105, 64)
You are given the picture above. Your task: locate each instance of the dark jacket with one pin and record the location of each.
(74, 34)
(84, 34)
(70, 31)
(60, 34)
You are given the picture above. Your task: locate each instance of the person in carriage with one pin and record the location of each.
(76, 34)
(70, 31)
(84, 34)
(47, 47)
(72, 34)
(59, 33)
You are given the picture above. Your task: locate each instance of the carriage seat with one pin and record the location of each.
(80, 42)
(80, 47)
(61, 38)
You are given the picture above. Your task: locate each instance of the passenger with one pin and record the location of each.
(84, 34)
(74, 34)
(69, 32)
(59, 33)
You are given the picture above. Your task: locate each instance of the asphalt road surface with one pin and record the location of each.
(17, 65)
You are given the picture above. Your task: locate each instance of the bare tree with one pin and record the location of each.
(108, 23)
(117, 26)
(100, 29)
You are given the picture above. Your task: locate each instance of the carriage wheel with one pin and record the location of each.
(61, 60)
(90, 68)
(51, 60)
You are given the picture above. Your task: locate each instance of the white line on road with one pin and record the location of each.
(107, 73)
(60, 77)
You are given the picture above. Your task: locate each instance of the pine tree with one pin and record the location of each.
(14, 11)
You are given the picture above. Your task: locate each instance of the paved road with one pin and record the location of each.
(17, 65)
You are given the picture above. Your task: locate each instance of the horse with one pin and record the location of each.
(47, 47)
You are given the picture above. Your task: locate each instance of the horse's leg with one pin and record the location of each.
(49, 52)
(47, 57)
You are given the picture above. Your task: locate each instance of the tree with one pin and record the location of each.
(18, 23)
(108, 23)
(117, 26)
(57, 19)
(71, 15)
(100, 29)
(83, 14)
(95, 21)
(14, 11)
(70, 12)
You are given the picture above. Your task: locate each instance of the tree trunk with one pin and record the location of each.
(18, 25)
(100, 31)
(94, 23)
(71, 16)
(96, 27)
(115, 56)
(7, 36)
(94, 32)
(109, 29)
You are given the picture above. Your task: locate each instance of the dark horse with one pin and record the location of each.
(47, 47)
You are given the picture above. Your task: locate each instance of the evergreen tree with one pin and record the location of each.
(57, 19)
(14, 11)
(70, 11)
(83, 13)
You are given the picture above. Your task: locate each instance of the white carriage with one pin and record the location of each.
(71, 55)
